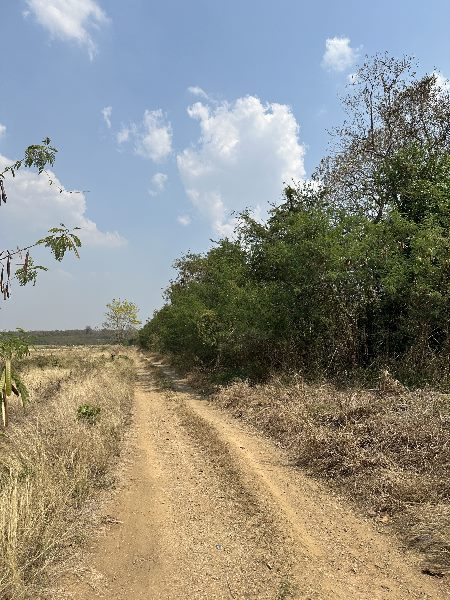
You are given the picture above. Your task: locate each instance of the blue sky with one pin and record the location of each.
(173, 115)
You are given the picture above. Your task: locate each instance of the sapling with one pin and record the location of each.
(12, 347)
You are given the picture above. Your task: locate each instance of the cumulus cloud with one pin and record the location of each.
(107, 112)
(69, 20)
(152, 137)
(154, 141)
(339, 55)
(184, 220)
(159, 181)
(245, 152)
(34, 206)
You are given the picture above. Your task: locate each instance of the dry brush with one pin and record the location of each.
(388, 450)
(54, 458)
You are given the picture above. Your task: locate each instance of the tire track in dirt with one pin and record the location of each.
(208, 509)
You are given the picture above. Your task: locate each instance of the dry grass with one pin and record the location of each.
(389, 452)
(51, 462)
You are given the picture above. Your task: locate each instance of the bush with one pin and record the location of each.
(88, 413)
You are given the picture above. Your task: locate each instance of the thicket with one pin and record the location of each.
(351, 272)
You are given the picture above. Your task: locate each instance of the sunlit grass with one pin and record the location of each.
(51, 461)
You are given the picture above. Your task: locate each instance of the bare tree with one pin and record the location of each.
(388, 109)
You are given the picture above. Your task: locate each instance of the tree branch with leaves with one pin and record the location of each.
(19, 263)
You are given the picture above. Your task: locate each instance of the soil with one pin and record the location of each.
(209, 509)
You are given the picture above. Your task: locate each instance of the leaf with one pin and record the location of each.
(22, 389)
(60, 241)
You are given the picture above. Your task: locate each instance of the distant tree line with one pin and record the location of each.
(351, 272)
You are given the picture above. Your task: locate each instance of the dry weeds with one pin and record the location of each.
(51, 462)
(388, 452)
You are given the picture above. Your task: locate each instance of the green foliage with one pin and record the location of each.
(12, 347)
(28, 272)
(121, 318)
(37, 155)
(60, 241)
(88, 413)
(351, 273)
(416, 181)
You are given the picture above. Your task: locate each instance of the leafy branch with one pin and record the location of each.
(60, 239)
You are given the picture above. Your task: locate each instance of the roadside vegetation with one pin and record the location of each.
(387, 451)
(55, 456)
(330, 321)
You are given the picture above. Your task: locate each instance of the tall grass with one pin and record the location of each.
(51, 462)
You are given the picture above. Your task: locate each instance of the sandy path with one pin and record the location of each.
(209, 509)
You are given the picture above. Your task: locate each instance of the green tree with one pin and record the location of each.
(121, 318)
(388, 108)
(350, 273)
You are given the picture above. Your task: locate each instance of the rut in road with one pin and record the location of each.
(208, 509)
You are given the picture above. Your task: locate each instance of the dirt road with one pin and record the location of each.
(208, 509)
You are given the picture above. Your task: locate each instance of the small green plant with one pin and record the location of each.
(12, 347)
(88, 413)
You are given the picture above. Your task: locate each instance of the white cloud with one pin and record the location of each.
(159, 181)
(155, 139)
(339, 55)
(34, 206)
(245, 152)
(123, 135)
(2, 130)
(107, 112)
(195, 90)
(70, 19)
(152, 138)
(184, 220)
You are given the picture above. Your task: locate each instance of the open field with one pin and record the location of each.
(54, 457)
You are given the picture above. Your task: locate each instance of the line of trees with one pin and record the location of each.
(351, 272)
